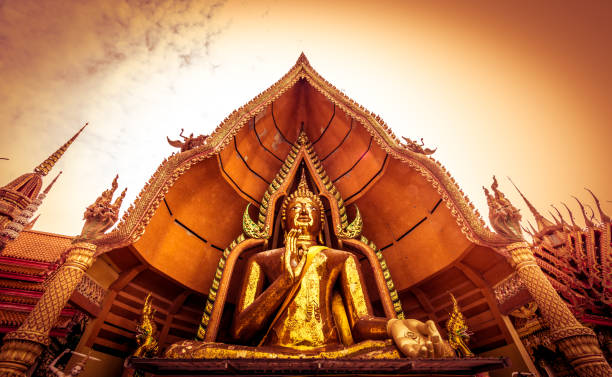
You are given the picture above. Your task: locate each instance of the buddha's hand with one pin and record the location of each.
(417, 339)
(293, 262)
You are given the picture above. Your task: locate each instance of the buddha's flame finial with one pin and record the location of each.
(303, 186)
(46, 166)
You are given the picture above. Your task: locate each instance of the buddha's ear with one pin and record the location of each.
(321, 237)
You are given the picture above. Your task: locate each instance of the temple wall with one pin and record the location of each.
(509, 350)
(103, 273)
(199, 218)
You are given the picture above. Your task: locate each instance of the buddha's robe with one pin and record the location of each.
(305, 320)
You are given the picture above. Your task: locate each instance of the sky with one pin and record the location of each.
(517, 89)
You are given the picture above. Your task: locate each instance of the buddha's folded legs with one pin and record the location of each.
(369, 349)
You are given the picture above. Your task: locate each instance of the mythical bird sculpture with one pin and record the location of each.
(189, 142)
(418, 148)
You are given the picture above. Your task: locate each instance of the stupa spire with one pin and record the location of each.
(48, 188)
(30, 225)
(44, 168)
(22, 221)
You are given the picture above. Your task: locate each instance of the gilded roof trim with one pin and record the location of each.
(136, 218)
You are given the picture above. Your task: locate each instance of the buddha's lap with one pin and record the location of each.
(368, 349)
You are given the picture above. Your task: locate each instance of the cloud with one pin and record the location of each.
(139, 71)
(72, 40)
(51, 47)
(106, 61)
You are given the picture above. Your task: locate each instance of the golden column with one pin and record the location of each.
(22, 347)
(578, 343)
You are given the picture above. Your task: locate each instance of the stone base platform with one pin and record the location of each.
(318, 367)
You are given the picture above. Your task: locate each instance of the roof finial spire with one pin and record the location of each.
(44, 168)
(541, 221)
(571, 216)
(587, 221)
(30, 224)
(557, 221)
(302, 137)
(52, 183)
(603, 216)
(302, 59)
(560, 216)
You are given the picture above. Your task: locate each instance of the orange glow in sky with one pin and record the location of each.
(520, 89)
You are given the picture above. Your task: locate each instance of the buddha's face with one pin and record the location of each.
(304, 214)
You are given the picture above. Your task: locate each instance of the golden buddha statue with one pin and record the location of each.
(315, 303)
(300, 309)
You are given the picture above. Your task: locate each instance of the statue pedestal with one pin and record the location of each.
(338, 367)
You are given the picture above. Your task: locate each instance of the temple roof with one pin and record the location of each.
(430, 235)
(37, 246)
(191, 208)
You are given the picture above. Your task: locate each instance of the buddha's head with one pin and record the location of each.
(303, 210)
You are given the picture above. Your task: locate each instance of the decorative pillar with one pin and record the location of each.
(22, 347)
(578, 343)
